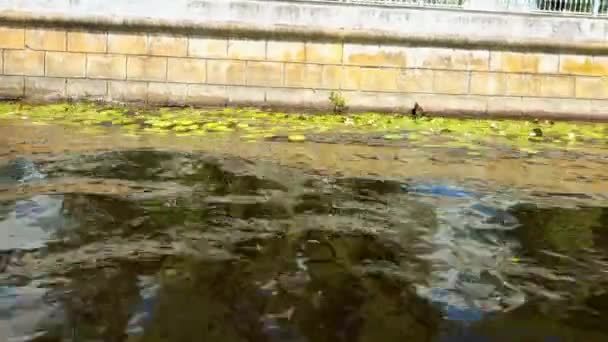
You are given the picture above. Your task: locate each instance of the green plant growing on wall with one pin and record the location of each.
(339, 102)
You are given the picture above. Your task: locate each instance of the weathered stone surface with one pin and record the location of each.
(415, 81)
(265, 74)
(379, 79)
(324, 53)
(557, 86)
(46, 39)
(450, 82)
(187, 70)
(107, 66)
(247, 49)
(12, 37)
(518, 62)
(11, 86)
(226, 72)
(129, 44)
(206, 95)
(144, 68)
(591, 87)
(65, 64)
(87, 41)
(45, 88)
(166, 93)
(375, 55)
(303, 75)
(449, 59)
(286, 51)
(168, 45)
(86, 89)
(24, 62)
(488, 83)
(127, 91)
(246, 95)
(583, 65)
(331, 77)
(207, 47)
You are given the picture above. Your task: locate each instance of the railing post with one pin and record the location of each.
(596, 7)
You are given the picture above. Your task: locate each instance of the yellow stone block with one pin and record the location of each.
(107, 66)
(12, 37)
(87, 42)
(24, 62)
(187, 70)
(226, 72)
(146, 68)
(488, 83)
(303, 75)
(265, 74)
(168, 45)
(556, 86)
(208, 47)
(524, 62)
(127, 91)
(247, 49)
(286, 51)
(451, 59)
(374, 55)
(65, 64)
(124, 43)
(324, 53)
(331, 77)
(379, 79)
(583, 65)
(415, 81)
(207, 95)
(591, 87)
(46, 39)
(351, 78)
(523, 85)
(450, 82)
(86, 89)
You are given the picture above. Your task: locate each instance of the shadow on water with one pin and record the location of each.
(159, 245)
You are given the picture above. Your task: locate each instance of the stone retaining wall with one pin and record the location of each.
(56, 59)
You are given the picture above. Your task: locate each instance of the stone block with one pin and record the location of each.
(331, 77)
(351, 78)
(379, 79)
(208, 47)
(168, 45)
(517, 62)
(24, 62)
(11, 86)
(488, 83)
(45, 88)
(303, 75)
(187, 70)
(572, 108)
(450, 59)
(126, 43)
(500, 105)
(280, 51)
(86, 89)
(167, 93)
(127, 91)
(453, 104)
(46, 39)
(591, 87)
(523, 85)
(415, 81)
(375, 55)
(107, 66)
(324, 53)
(265, 74)
(556, 86)
(140, 68)
(65, 64)
(247, 49)
(244, 96)
(298, 98)
(450, 82)
(206, 95)
(87, 42)
(583, 65)
(374, 101)
(226, 72)
(12, 37)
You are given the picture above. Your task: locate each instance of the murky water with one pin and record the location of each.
(107, 236)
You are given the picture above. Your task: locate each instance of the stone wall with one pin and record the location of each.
(58, 59)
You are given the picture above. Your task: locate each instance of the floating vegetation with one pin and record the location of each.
(255, 124)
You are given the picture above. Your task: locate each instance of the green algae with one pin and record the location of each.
(255, 124)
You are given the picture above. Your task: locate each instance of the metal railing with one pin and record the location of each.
(572, 7)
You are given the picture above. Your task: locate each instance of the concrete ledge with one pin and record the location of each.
(284, 21)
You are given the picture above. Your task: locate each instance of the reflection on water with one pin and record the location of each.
(137, 243)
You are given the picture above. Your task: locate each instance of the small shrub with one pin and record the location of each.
(338, 101)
